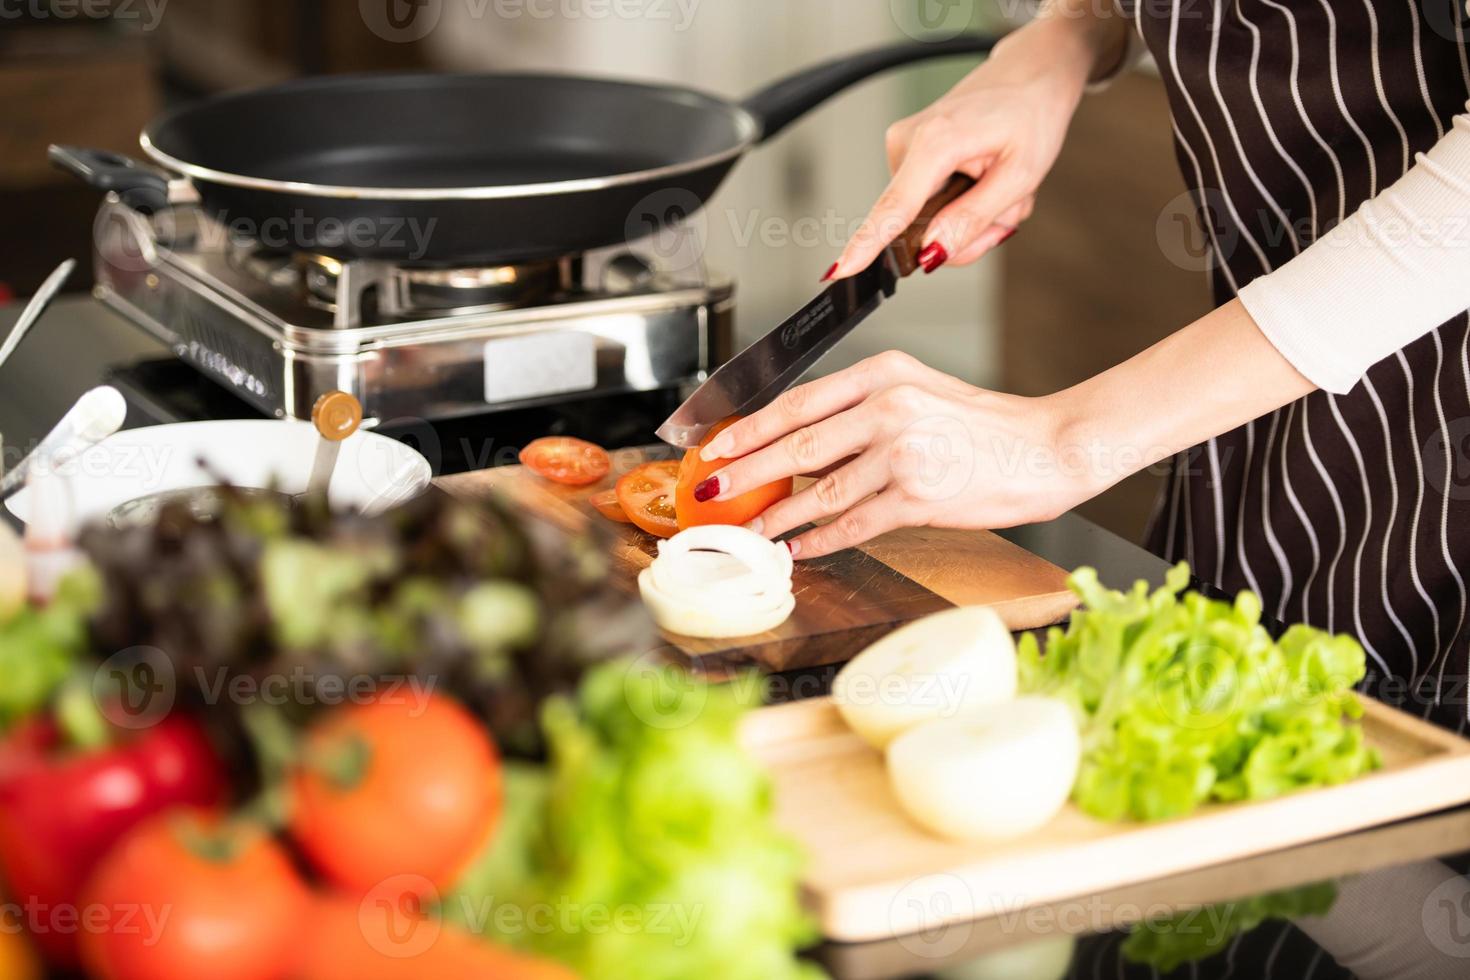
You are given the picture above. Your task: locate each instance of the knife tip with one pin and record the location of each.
(678, 436)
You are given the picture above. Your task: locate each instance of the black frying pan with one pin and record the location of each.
(452, 168)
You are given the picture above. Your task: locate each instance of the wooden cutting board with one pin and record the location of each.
(843, 601)
(873, 874)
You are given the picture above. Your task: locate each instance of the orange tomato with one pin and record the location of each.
(562, 459)
(739, 510)
(349, 939)
(647, 495)
(395, 788)
(190, 895)
(606, 502)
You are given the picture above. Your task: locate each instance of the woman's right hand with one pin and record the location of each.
(1003, 125)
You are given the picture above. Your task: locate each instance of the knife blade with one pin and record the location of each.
(754, 378)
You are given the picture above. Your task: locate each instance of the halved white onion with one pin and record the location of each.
(718, 581)
(999, 773)
(949, 663)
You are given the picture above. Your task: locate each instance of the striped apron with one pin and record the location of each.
(1350, 512)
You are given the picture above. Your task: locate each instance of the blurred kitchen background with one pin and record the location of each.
(1104, 268)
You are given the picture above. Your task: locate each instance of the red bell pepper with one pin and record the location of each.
(61, 809)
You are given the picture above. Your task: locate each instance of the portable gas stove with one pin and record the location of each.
(278, 328)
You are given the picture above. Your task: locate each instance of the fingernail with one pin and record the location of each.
(793, 546)
(708, 490)
(1006, 237)
(756, 524)
(717, 449)
(932, 257)
(830, 272)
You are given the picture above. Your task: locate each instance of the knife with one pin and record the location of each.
(753, 378)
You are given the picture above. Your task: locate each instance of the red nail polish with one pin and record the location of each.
(707, 490)
(1006, 237)
(932, 257)
(828, 276)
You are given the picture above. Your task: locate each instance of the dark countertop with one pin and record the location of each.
(79, 343)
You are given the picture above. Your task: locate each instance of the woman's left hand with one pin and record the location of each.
(902, 445)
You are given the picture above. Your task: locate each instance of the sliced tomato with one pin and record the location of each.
(606, 502)
(739, 510)
(647, 495)
(562, 459)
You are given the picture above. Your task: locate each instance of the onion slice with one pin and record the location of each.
(716, 581)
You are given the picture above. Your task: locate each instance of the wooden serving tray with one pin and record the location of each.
(843, 601)
(872, 873)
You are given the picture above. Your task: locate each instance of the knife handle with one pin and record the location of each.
(907, 245)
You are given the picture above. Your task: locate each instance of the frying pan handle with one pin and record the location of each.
(779, 103)
(907, 245)
(142, 187)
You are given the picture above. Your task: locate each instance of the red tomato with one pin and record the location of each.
(395, 787)
(188, 895)
(647, 495)
(563, 459)
(740, 510)
(348, 939)
(606, 502)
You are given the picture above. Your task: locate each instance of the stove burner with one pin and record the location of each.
(401, 292)
(409, 341)
(362, 292)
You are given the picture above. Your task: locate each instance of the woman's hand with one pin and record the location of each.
(1003, 125)
(905, 446)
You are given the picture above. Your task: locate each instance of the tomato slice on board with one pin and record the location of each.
(562, 459)
(606, 502)
(740, 510)
(647, 495)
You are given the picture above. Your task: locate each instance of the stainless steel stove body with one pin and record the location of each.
(278, 329)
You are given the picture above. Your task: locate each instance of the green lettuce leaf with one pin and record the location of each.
(647, 848)
(1183, 699)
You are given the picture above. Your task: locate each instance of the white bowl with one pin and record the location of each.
(372, 473)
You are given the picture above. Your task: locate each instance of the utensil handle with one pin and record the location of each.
(781, 102)
(906, 246)
(140, 186)
(36, 307)
(95, 416)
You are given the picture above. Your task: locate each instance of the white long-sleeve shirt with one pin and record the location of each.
(1395, 269)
